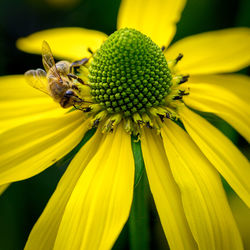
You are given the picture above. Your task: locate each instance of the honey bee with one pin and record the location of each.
(56, 80)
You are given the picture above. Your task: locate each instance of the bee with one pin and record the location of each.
(57, 79)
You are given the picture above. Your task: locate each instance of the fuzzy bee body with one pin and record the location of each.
(56, 80)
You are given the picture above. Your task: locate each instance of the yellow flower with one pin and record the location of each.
(92, 201)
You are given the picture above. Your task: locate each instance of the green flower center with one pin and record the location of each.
(129, 74)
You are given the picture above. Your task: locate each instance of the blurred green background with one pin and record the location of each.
(23, 202)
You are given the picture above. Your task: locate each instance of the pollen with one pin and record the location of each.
(129, 74)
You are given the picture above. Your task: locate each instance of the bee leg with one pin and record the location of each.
(75, 87)
(70, 76)
(78, 63)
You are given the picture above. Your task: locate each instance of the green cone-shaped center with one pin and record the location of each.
(129, 73)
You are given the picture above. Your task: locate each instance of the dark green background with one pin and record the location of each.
(23, 202)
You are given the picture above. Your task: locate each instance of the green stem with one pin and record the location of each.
(139, 232)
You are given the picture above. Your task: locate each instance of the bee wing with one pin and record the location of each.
(48, 61)
(37, 79)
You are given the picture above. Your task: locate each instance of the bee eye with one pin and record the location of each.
(69, 92)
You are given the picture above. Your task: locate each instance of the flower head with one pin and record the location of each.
(132, 83)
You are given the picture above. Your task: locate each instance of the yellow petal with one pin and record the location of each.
(220, 151)
(3, 188)
(225, 96)
(204, 201)
(66, 43)
(43, 234)
(30, 148)
(99, 205)
(242, 217)
(155, 18)
(166, 194)
(212, 52)
(20, 103)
